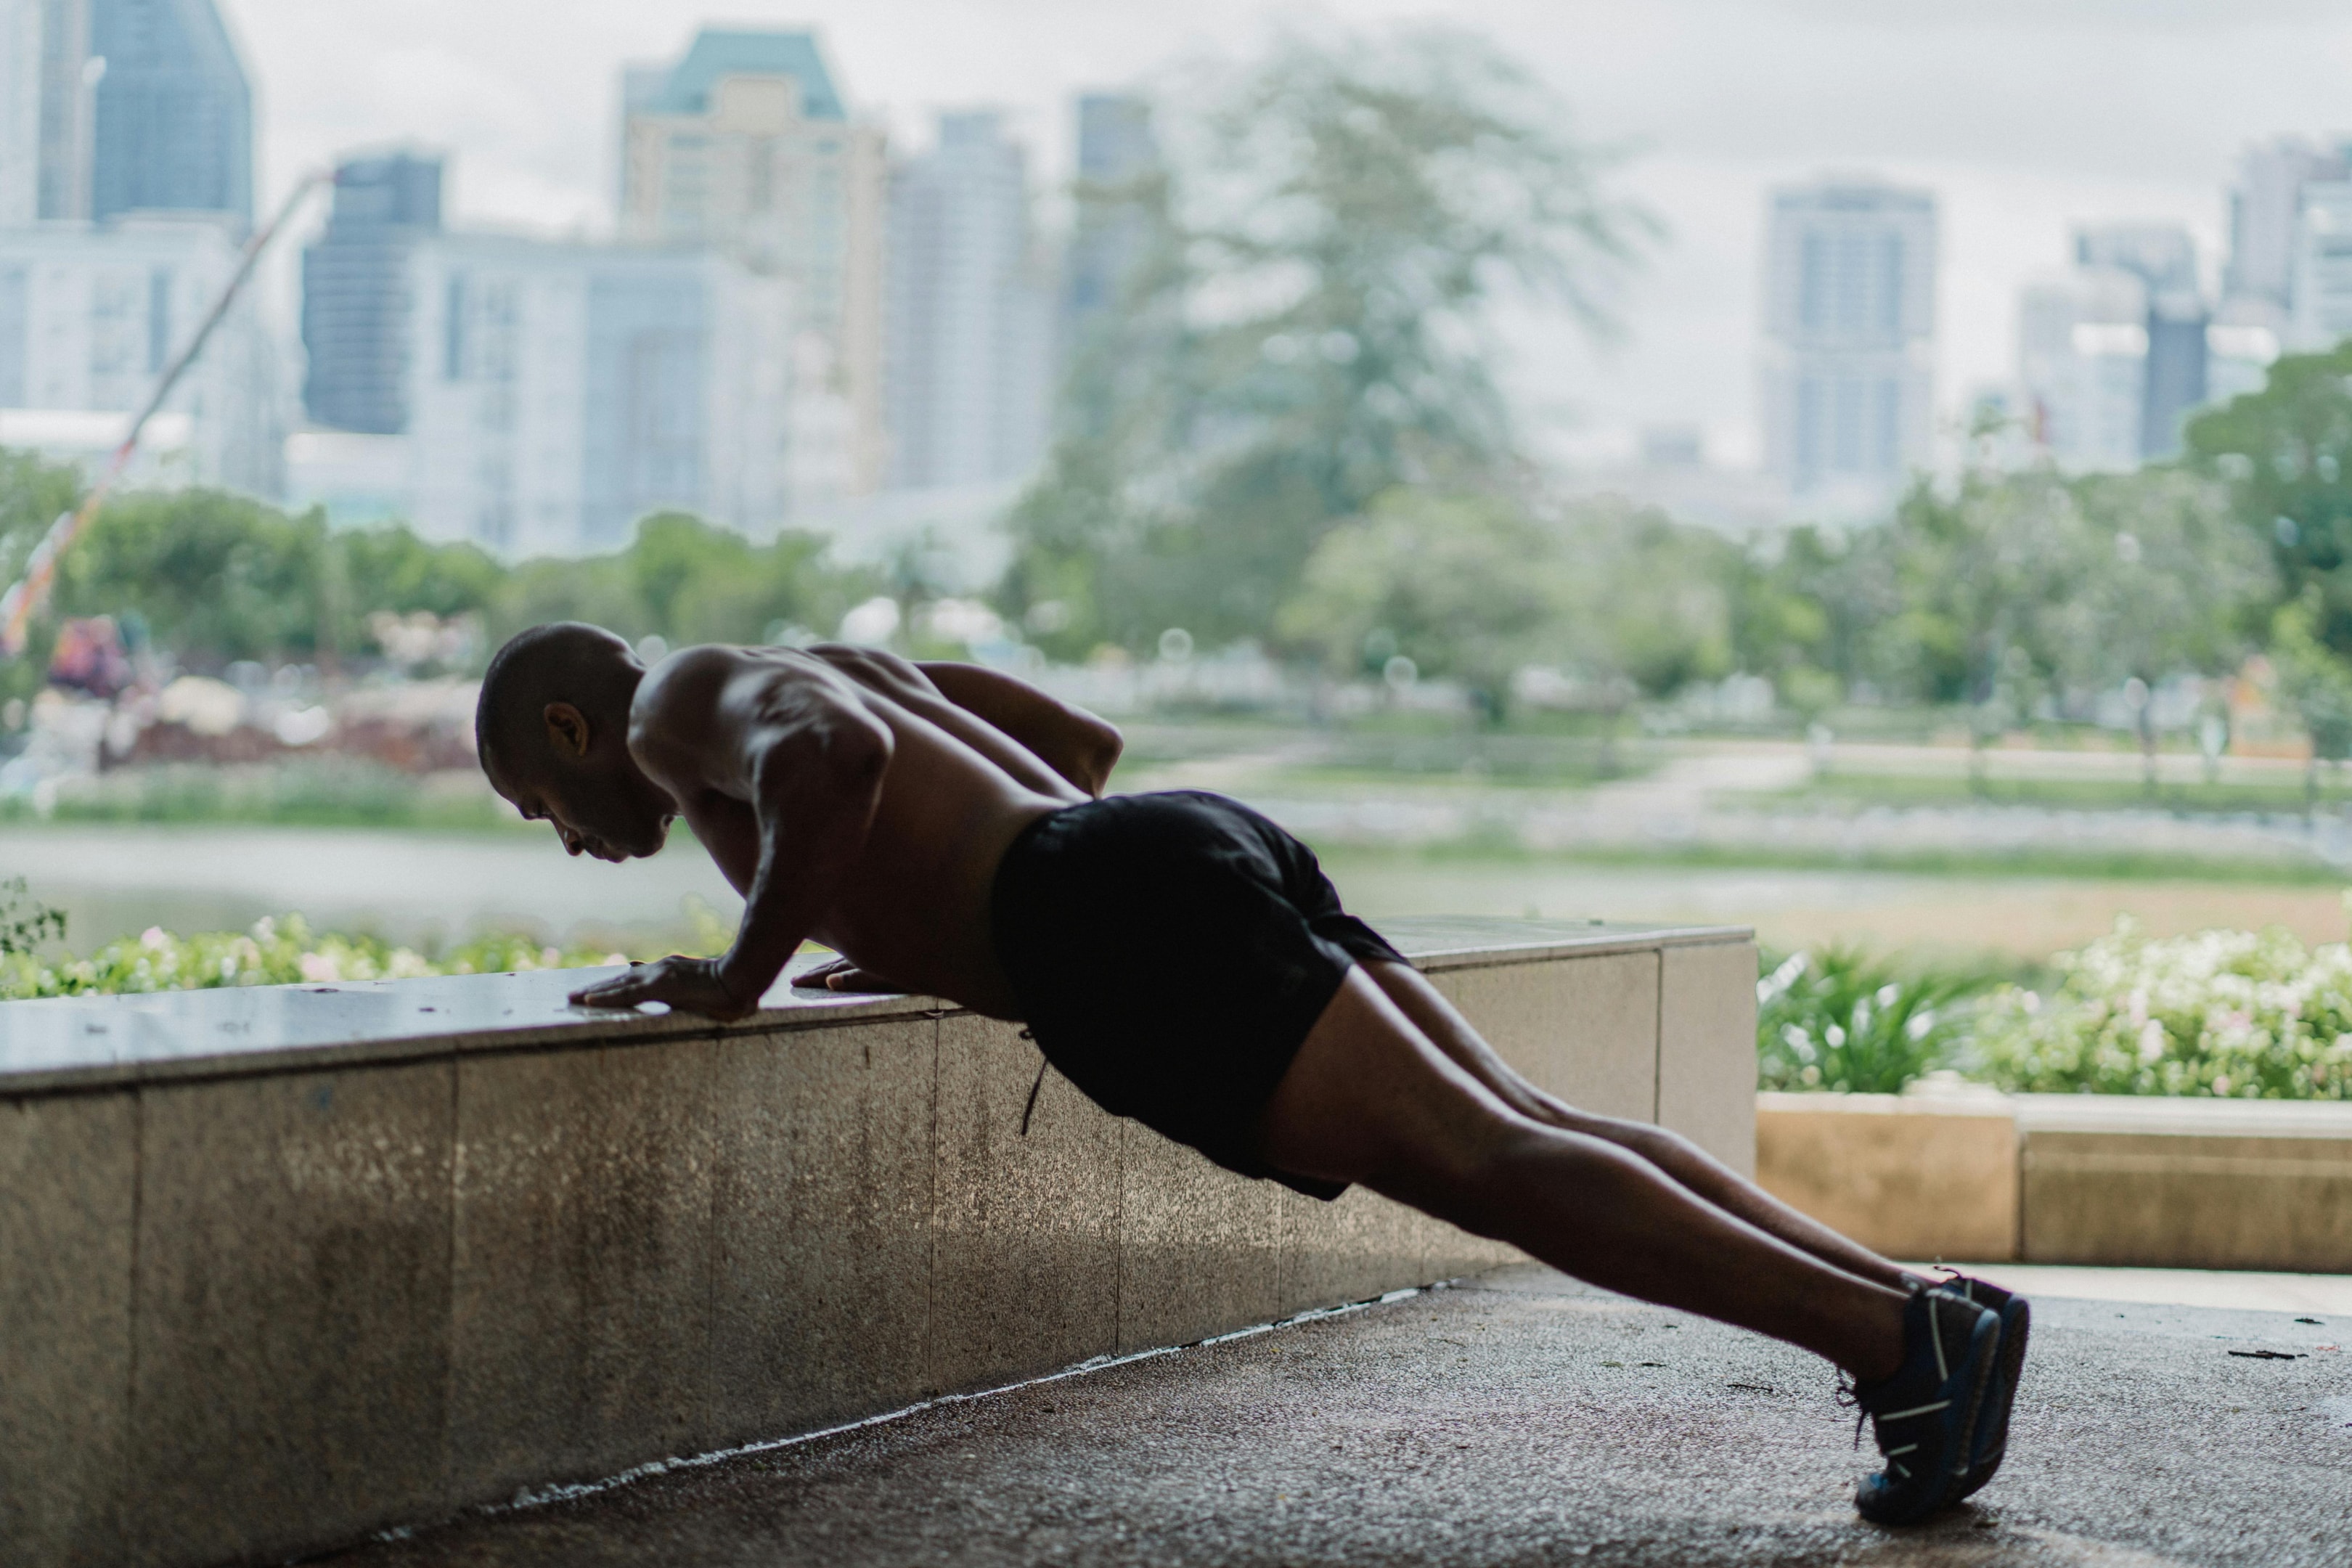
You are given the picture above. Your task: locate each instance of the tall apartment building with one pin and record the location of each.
(971, 312)
(2164, 258)
(20, 111)
(556, 392)
(2265, 214)
(89, 318)
(1849, 338)
(45, 110)
(355, 298)
(2082, 358)
(1111, 231)
(745, 145)
(171, 118)
(2319, 300)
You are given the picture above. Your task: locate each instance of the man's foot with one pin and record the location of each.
(1925, 1416)
(2016, 1325)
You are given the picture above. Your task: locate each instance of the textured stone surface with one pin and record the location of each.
(580, 1334)
(1350, 1249)
(1706, 1049)
(1908, 1176)
(67, 1169)
(292, 1311)
(1585, 1030)
(1199, 1247)
(1528, 1421)
(821, 1211)
(2188, 1202)
(1024, 1276)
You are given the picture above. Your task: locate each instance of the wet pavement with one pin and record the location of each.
(1518, 1418)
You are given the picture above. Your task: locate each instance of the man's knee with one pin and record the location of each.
(1484, 1185)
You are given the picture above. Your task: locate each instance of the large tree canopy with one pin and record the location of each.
(1309, 328)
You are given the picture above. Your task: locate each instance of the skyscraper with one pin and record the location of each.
(555, 394)
(2083, 357)
(2319, 307)
(1110, 233)
(745, 145)
(355, 301)
(173, 120)
(89, 317)
(2164, 258)
(67, 74)
(20, 111)
(1849, 337)
(44, 109)
(971, 317)
(2265, 211)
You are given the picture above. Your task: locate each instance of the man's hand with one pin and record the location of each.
(840, 974)
(689, 984)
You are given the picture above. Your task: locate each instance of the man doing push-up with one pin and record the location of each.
(1185, 962)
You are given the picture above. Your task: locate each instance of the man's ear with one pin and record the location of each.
(567, 730)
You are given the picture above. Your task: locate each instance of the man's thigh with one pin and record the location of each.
(1368, 1098)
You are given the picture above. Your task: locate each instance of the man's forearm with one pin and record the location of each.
(814, 813)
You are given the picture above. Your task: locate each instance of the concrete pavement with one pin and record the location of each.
(1517, 1418)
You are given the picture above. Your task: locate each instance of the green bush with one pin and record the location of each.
(1840, 1020)
(2234, 1013)
(273, 952)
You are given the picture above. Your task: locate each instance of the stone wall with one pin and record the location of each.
(280, 1267)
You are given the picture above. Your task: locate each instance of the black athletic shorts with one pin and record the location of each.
(1169, 954)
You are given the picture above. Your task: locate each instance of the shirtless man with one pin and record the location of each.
(1185, 962)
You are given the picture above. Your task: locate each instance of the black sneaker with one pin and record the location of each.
(2016, 1326)
(1925, 1417)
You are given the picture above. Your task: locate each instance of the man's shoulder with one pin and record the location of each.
(695, 684)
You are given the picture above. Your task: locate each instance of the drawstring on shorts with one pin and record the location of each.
(1029, 1110)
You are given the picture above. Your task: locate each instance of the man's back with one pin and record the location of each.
(961, 780)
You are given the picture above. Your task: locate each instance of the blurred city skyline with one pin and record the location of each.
(2026, 121)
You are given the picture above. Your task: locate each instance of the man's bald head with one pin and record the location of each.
(564, 661)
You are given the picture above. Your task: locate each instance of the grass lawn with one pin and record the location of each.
(2227, 798)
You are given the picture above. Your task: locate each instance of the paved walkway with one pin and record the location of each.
(1520, 1419)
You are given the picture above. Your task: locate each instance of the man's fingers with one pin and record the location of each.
(618, 992)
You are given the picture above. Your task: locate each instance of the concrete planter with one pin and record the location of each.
(283, 1264)
(2051, 1178)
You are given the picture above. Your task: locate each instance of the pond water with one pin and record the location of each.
(423, 887)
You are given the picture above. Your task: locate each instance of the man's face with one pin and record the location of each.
(595, 811)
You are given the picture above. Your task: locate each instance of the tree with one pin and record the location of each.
(1309, 330)
(2166, 583)
(1461, 586)
(2285, 456)
(1473, 588)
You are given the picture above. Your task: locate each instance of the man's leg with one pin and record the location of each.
(1675, 1156)
(1369, 1098)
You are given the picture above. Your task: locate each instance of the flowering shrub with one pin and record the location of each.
(273, 952)
(1839, 1020)
(2243, 1015)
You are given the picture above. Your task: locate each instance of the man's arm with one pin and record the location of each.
(1076, 744)
(810, 761)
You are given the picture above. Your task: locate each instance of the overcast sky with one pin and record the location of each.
(2023, 116)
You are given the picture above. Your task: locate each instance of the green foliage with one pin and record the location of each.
(215, 577)
(273, 952)
(1842, 1021)
(1308, 331)
(1461, 585)
(1472, 587)
(26, 923)
(2313, 680)
(2232, 1014)
(315, 792)
(2284, 454)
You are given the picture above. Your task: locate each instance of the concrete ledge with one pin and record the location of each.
(283, 1264)
(2118, 1180)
